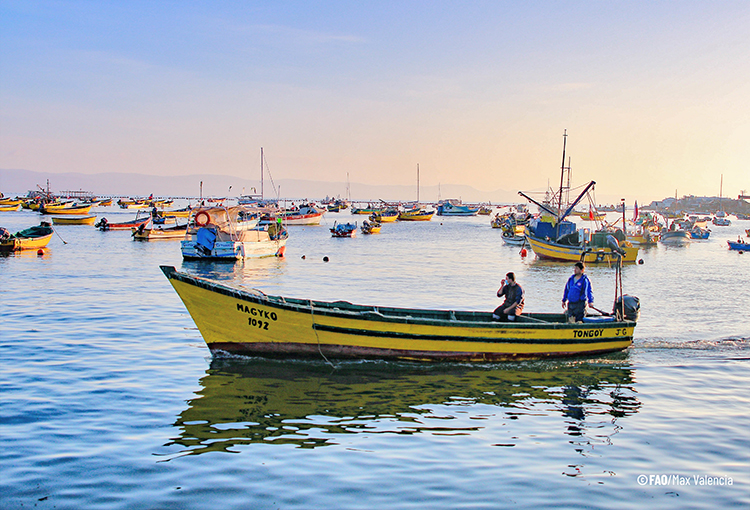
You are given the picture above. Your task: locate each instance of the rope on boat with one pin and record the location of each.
(312, 316)
(58, 235)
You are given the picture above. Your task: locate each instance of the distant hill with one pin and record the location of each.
(18, 182)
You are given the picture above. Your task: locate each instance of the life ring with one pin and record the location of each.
(202, 218)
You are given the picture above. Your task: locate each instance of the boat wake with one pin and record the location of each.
(741, 344)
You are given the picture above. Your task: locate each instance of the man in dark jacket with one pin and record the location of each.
(513, 304)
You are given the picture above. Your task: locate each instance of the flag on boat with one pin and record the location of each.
(591, 214)
(635, 211)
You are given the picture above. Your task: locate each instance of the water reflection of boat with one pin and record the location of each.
(305, 404)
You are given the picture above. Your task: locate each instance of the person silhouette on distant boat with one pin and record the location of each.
(577, 294)
(514, 300)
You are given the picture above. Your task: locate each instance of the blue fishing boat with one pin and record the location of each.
(739, 245)
(699, 233)
(343, 229)
(455, 208)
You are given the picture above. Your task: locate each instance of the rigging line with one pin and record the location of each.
(273, 184)
(312, 317)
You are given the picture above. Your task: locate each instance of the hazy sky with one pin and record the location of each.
(655, 95)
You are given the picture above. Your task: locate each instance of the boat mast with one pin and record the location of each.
(261, 173)
(348, 191)
(417, 184)
(562, 174)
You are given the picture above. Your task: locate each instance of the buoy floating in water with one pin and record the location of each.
(40, 252)
(523, 252)
(640, 261)
(325, 259)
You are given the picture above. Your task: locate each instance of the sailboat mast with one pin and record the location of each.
(562, 173)
(417, 183)
(261, 173)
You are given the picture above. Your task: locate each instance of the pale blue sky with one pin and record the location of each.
(655, 95)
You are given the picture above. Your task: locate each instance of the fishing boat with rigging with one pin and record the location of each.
(553, 237)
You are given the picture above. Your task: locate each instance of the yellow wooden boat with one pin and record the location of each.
(32, 238)
(176, 213)
(159, 233)
(589, 254)
(386, 216)
(370, 228)
(643, 238)
(74, 220)
(416, 215)
(241, 321)
(65, 209)
(9, 207)
(10, 202)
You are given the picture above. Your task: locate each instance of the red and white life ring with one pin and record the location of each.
(202, 218)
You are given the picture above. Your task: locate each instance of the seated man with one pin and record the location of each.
(513, 304)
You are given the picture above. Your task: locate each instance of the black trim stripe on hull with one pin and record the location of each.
(491, 340)
(270, 349)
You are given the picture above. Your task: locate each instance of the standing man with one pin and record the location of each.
(577, 294)
(513, 304)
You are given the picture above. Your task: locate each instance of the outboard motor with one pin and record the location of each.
(614, 245)
(630, 305)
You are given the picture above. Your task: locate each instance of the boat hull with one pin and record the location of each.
(72, 220)
(233, 250)
(514, 240)
(418, 216)
(302, 219)
(127, 225)
(554, 251)
(237, 321)
(675, 238)
(54, 209)
(158, 234)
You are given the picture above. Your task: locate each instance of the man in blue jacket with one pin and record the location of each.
(577, 294)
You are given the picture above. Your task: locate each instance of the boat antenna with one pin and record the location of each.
(261, 173)
(562, 174)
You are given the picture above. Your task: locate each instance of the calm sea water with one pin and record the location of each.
(111, 400)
